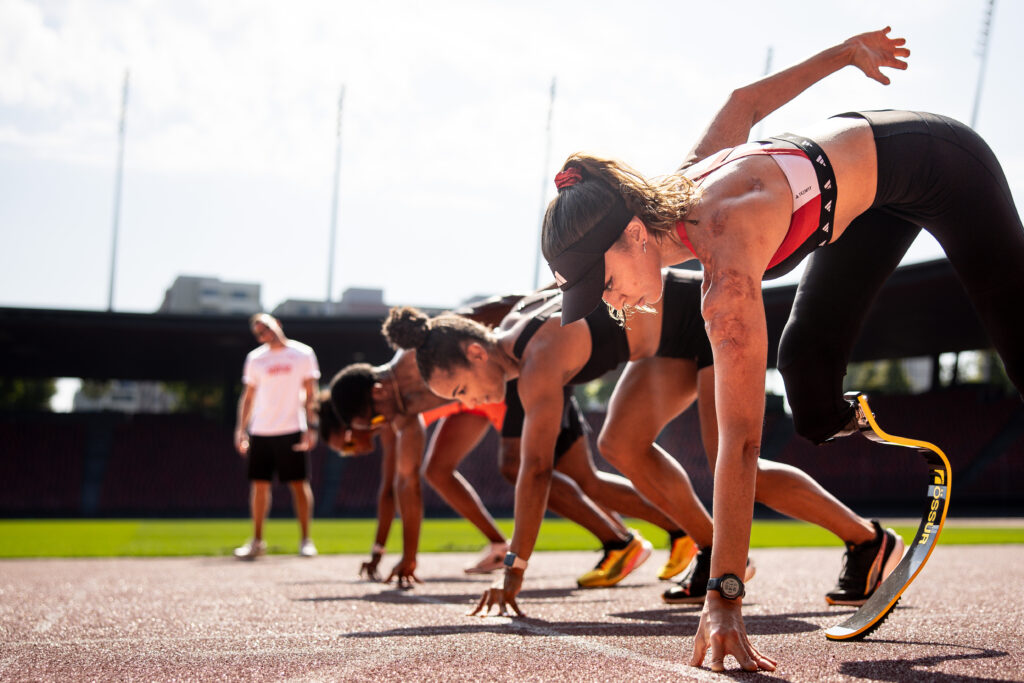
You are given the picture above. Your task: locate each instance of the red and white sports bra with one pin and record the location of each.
(813, 186)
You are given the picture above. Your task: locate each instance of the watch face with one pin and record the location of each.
(510, 559)
(730, 587)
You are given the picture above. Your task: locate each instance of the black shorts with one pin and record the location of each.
(574, 425)
(682, 327)
(269, 454)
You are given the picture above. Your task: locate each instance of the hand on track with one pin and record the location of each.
(721, 629)
(368, 569)
(405, 574)
(502, 594)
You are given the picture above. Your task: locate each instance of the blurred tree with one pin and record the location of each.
(26, 394)
(595, 395)
(881, 376)
(202, 398)
(94, 388)
(992, 372)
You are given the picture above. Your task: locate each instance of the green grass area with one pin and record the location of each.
(166, 538)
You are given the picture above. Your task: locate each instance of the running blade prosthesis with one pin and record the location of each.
(871, 614)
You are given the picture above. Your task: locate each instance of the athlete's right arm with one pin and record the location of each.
(385, 505)
(540, 390)
(410, 439)
(751, 103)
(733, 310)
(244, 413)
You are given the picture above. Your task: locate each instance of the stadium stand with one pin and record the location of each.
(105, 464)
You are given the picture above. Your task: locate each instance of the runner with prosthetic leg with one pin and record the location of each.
(735, 213)
(680, 374)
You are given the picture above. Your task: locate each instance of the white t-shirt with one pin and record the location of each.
(277, 378)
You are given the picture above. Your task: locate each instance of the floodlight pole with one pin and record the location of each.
(334, 204)
(544, 183)
(986, 27)
(767, 71)
(117, 194)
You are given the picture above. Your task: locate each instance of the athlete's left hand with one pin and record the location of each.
(307, 442)
(405, 574)
(369, 568)
(721, 628)
(876, 49)
(501, 594)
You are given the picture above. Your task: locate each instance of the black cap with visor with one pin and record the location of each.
(579, 269)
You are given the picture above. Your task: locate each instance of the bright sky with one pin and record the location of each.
(229, 157)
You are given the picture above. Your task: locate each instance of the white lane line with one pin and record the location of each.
(590, 644)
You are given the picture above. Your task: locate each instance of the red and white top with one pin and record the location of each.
(803, 183)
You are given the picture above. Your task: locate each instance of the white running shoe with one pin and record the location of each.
(306, 548)
(251, 550)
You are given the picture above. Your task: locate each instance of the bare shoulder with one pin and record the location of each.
(556, 353)
(746, 209)
(406, 372)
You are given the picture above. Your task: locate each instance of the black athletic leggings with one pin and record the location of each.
(936, 173)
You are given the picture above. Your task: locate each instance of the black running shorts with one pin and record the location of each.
(270, 454)
(574, 425)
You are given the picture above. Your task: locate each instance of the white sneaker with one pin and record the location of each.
(251, 550)
(306, 548)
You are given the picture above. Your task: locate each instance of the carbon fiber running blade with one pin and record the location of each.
(871, 614)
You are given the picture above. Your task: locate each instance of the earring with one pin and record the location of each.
(645, 246)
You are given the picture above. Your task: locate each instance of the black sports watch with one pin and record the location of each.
(513, 561)
(729, 585)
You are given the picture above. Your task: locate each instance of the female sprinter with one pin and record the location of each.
(744, 214)
(393, 400)
(682, 371)
(465, 361)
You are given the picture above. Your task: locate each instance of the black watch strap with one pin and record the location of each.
(729, 586)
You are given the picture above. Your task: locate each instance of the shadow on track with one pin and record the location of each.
(524, 626)
(922, 667)
(392, 594)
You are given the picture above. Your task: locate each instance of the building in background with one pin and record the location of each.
(191, 294)
(355, 301)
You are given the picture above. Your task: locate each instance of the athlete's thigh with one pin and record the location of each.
(649, 394)
(455, 436)
(707, 413)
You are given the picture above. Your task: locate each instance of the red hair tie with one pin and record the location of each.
(568, 177)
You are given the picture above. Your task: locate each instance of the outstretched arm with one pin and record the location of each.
(751, 103)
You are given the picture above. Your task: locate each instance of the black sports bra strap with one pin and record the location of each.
(538, 319)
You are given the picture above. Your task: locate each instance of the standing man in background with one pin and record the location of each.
(276, 426)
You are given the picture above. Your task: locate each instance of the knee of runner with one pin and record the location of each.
(434, 473)
(612, 446)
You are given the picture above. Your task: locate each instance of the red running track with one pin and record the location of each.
(294, 619)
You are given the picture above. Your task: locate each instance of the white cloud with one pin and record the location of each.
(231, 119)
